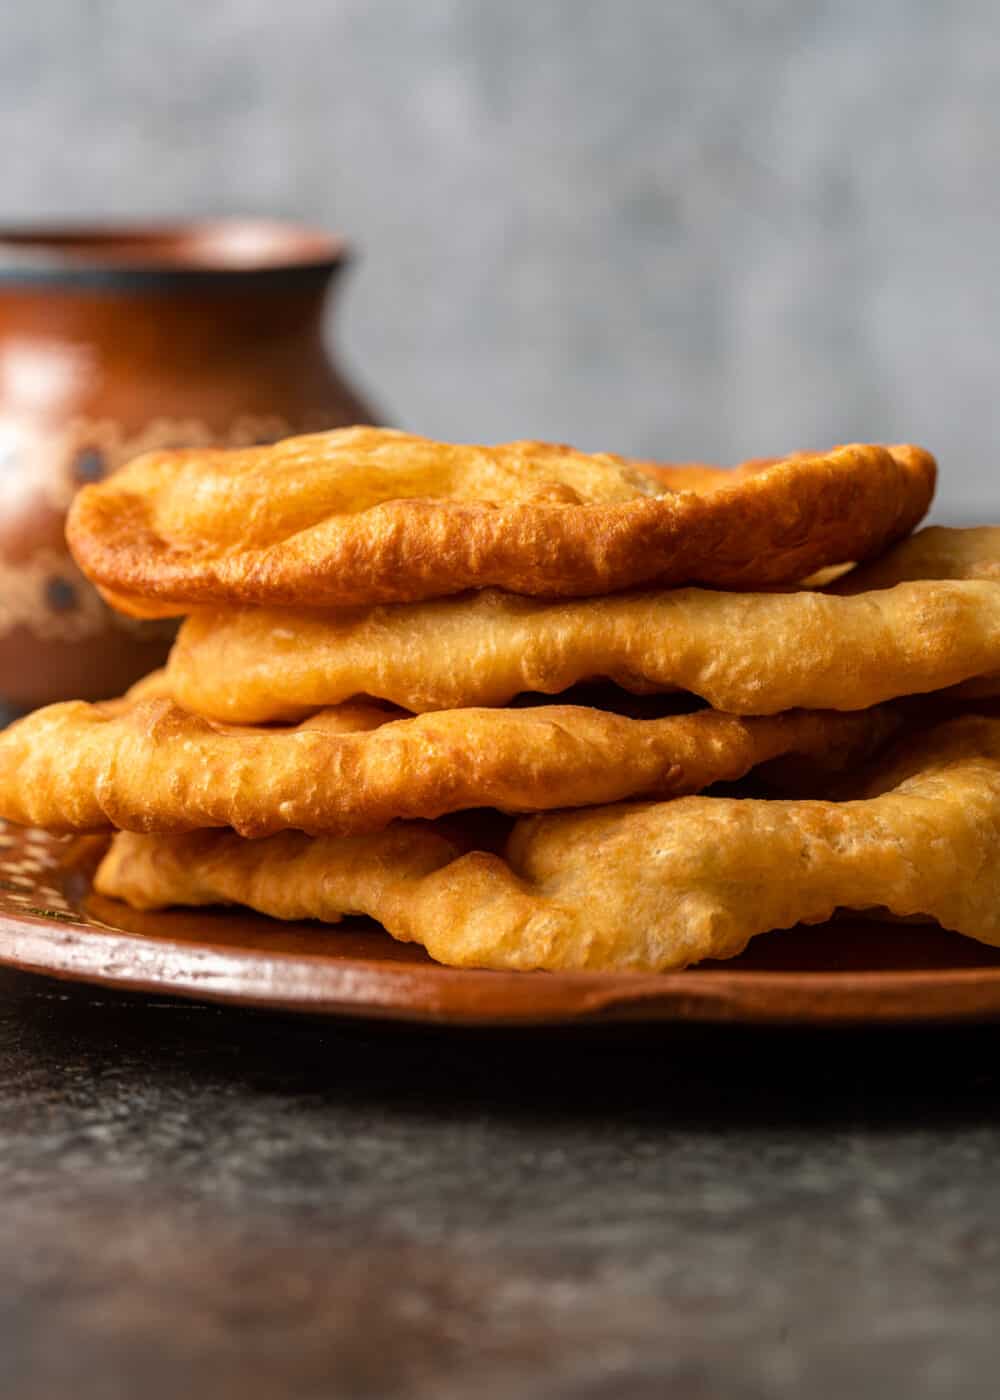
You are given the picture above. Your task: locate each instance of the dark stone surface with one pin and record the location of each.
(208, 1203)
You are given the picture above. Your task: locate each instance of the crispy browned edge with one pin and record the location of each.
(144, 764)
(775, 525)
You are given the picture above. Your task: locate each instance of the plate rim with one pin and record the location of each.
(367, 988)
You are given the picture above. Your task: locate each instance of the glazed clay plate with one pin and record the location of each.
(846, 971)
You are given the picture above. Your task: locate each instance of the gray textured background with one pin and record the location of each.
(710, 228)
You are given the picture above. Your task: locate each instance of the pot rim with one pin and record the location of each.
(171, 253)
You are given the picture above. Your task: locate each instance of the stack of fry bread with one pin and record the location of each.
(533, 708)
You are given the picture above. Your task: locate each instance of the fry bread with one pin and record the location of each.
(365, 515)
(147, 765)
(745, 653)
(937, 552)
(634, 887)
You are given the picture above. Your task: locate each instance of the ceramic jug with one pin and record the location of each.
(117, 341)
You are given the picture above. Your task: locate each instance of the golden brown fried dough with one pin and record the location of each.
(365, 515)
(699, 476)
(938, 552)
(636, 887)
(148, 765)
(745, 653)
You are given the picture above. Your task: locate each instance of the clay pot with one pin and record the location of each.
(114, 341)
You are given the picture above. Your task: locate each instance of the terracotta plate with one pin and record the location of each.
(847, 971)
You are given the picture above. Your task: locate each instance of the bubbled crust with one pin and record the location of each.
(633, 887)
(745, 653)
(365, 515)
(938, 552)
(146, 765)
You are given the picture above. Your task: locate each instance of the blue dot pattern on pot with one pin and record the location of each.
(88, 465)
(61, 594)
